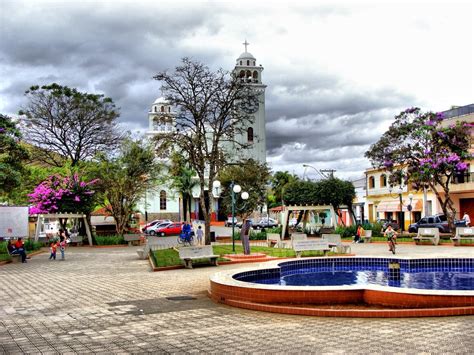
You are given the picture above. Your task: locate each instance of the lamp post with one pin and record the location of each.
(400, 197)
(235, 189)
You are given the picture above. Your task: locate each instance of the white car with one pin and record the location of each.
(228, 222)
(152, 230)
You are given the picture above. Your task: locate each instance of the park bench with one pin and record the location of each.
(310, 245)
(75, 238)
(133, 239)
(297, 237)
(466, 233)
(367, 236)
(274, 239)
(335, 243)
(189, 254)
(430, 234)
(16, 258)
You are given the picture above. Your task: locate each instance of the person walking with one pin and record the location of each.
(199, 235)
(466, 219)
(62, 246)
(52, 248)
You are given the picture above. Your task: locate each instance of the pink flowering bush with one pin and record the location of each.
(62, 194)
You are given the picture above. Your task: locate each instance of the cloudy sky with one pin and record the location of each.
(337, 72)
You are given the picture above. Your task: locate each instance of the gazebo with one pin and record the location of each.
(41, 218)
(307, 209)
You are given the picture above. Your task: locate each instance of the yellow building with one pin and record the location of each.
(393, 204)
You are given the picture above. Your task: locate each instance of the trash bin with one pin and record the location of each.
(213, 236)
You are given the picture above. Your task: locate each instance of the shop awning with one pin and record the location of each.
(394, 206)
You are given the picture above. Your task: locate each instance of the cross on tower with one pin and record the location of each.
(246, 44)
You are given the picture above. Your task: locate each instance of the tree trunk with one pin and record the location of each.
(447, 205)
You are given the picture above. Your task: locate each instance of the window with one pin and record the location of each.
(162, 200)
(383, 180)
(371, 182)
(162, 109)
(250, 135)
(156, 109)
(240, 62)
(169, 109)
(248, 62)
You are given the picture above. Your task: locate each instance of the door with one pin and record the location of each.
(466, 205)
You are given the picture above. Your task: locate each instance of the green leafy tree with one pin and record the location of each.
(12, 156)
(210, 117)
(253, 177)
(279, 181)
(64, 124)
(124, 179)
(423, 149)
(183, 180)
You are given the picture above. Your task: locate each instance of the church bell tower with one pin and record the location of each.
(249, 73)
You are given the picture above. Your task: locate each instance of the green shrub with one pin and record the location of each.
(3, 248)
(32, 245)
(110, 240)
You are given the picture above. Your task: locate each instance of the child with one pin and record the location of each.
(199, 234)
(52, 248)
(62, 246)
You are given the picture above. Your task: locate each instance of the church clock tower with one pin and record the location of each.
(247, 70)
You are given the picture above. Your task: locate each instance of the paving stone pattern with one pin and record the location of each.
(108, 301)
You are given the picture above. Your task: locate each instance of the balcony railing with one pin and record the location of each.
(463, 178)
(459, 111)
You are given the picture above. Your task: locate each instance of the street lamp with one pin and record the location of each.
(400, 197)
(319, 171)
(235, 189)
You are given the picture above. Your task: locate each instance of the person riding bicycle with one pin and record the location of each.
(186, 232)
(390, 234)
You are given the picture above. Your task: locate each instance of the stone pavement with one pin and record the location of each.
(108, 301)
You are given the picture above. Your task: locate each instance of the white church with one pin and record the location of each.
(165, 202)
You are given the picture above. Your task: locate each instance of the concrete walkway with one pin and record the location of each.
(108, 301)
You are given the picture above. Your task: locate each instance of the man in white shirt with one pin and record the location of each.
(466, 219)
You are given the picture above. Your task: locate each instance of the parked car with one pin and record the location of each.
(265, 223)
(152, 230)
(153, 223)
(437, 221)
(170, 229)
(386, 222)
(239, 224)
(229, 221)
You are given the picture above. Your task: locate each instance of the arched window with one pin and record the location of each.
(371, 182)
(240, 62)
(255, 76)
(383, 180)
(169, 109)
(254, 63)
(156, 109)
(250, 135)
(248, 62)
(162, 109)
(162, 200)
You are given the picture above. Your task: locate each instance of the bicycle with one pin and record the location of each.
(186, 239)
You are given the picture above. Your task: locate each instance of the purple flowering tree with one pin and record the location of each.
(58, 194)
(424, 149)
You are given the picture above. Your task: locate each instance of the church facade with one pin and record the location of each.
(164, 201)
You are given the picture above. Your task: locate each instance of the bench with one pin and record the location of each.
(310, 245)
(367, 237)
(430, 234)
(274, 239)
(335, 243)
(16, 258)
(188, 254)
(75, 238)
(133, 239)
(298, 237)
(466, 233)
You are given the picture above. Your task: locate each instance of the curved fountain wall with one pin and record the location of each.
(364, 300)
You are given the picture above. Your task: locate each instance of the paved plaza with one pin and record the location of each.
(105, 300)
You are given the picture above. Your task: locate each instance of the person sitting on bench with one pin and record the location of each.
(360, 232)
(17, 249)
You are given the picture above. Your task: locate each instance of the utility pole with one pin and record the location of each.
(330, 171)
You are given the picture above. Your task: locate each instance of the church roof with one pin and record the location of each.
(246, 55)
(160, 100)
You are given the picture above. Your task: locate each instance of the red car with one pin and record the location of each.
(170, 229)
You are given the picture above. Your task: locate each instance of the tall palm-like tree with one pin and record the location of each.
(184, 182)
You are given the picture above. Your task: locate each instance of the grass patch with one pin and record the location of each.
(5, 257)
(170, 257)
